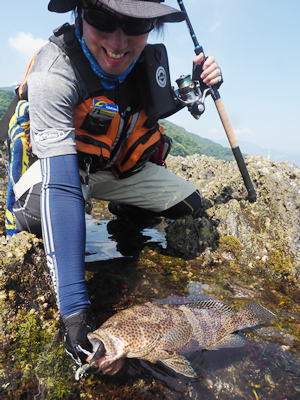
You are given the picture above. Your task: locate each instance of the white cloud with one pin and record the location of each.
(215, 26)
(26, 45)
(213, 130)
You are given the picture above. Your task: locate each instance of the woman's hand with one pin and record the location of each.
(211, 74)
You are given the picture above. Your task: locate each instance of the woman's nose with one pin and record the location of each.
(118, 39)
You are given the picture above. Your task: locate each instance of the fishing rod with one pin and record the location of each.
(223, 115)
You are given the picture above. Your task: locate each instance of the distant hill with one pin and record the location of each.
(186, 143)
(183, 145)
(6, 97)
(10, 88)
(292, 156)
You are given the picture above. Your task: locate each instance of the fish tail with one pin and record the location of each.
(252, 314)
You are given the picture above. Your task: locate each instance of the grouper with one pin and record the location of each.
(165, 333)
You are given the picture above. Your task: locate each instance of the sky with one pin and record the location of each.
(256, 43)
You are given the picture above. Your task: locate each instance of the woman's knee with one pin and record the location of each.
(27, 211)
(189, 205)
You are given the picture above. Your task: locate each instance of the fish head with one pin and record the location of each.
(114, 351)
(123, 339)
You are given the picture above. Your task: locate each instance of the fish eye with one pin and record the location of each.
(117, 325)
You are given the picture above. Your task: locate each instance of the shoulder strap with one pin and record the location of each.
(64, 37)
(4, 123)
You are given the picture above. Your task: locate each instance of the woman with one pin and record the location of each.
(73, 165)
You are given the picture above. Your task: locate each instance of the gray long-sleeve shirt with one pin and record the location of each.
(54, 90)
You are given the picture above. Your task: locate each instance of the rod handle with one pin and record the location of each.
(235, 149)
(226, 123)
(245, 174)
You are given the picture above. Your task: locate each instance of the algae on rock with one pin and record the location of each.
(267, 227)
(32, 356)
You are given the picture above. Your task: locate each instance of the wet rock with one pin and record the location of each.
(187, 237)
(30, 343)
(24, 277)
(267, 228)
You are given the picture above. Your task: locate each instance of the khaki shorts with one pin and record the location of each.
(154, 188)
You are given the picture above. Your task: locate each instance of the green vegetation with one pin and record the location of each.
(6, 97)
(230, 244)
(183, 145)
(186, 143)
(38, 359)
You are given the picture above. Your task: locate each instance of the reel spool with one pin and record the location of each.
(189, 94)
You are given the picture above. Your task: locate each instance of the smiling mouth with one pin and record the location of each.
(113, 55)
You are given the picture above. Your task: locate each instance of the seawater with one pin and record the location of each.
(267, 367)
(101, 244)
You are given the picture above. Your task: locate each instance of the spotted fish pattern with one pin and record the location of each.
(155, 332)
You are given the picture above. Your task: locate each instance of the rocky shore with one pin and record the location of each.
(267, 231)
(240, 250)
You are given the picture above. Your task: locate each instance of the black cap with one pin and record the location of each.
(62, 6)
(132, 8)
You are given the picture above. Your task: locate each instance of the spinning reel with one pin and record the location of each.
(189, 93)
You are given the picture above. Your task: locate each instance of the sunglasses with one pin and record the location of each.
(105, 22)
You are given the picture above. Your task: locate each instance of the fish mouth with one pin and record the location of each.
(99, 352)
(106, 363)
(111, 368)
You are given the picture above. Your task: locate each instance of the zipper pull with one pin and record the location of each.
(88, 162)
(101, 158)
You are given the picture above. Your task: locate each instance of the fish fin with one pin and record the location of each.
(176, 337)
(190, 347)
(252, 314)
(228, 342)
(180, 364)
(213, 305)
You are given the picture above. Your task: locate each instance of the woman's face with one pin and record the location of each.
(114, 51)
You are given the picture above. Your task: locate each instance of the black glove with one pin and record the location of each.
(77, 326)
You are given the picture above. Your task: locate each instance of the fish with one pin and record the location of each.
(165, 333)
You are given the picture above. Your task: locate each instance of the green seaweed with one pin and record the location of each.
(279, 266)
(37, 356)
(230, 244)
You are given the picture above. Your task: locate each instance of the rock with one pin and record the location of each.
(267, 229)
(23, 276)
(188, 237)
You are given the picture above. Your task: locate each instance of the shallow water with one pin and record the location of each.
(99, 246)
(267, 367)
(102, 241)
(262, 369)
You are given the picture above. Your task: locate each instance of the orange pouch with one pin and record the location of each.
(137, 150)
(93, 147)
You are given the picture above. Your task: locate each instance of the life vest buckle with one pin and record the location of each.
(61, 29)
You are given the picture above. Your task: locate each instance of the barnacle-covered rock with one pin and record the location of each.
(267, 229)
(30, 343)
(24, 277)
